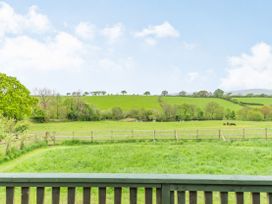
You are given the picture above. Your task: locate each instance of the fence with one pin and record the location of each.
(136, 188)
(154, 135)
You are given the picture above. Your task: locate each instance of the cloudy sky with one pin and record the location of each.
(137, 45)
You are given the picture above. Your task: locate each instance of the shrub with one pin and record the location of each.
(117, 113)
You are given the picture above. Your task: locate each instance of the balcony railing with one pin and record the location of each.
(135, 188)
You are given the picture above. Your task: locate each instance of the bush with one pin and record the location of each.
(38, 115)
(117, 113)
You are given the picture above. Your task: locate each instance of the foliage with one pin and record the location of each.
(218, 93)
(214, 111)
(15, 99)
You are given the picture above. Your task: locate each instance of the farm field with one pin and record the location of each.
(259, 100)
(251, 158)
(124, 102)
(201, 102)
(152, 102)
(120, 125)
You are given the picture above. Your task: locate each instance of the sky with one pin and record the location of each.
(137, 46)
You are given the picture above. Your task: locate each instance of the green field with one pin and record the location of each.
(254, 158)
(118, 125)
(201, 102)
(259, 100)
(152, 102)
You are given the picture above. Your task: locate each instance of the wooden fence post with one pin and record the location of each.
(154, 135)
(176, 135)
(266, 134)
(197, 133)
(244, 133)
(219, 134)
(92, 136)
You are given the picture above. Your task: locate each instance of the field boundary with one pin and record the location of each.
(224, 134)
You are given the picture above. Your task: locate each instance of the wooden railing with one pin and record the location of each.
(136, 188)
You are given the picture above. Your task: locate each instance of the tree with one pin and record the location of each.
(218, 93)
(214, 111)
(124, 92)
(164, 93)
(15, 99)
(147, 93)
(202, 93)
(45, 96)
(182, 93)
(86, 93)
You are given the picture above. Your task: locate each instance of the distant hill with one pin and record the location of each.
(252, 91)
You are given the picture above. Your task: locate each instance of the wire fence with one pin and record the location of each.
(157, 135)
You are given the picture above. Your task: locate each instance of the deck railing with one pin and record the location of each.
(136, 188)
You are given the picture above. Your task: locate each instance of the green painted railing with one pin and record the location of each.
(158, 188)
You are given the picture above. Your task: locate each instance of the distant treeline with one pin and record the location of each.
(53, 107)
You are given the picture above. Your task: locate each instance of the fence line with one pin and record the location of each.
(155, 135)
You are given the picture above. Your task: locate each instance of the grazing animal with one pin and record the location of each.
(229, 124)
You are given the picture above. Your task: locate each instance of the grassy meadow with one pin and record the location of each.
(129, 102)
(259, 100)
(122, 125)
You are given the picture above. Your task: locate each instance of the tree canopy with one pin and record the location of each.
(15, 99)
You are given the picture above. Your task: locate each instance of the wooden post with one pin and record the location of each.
(132, 134)
(73, 133)
(176, 135)
(244, 133)
(154, 135)
(219, 134)
(92, 136)
(266, 134)
(197, 133)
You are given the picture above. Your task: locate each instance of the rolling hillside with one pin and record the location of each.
(259, 100)
(152, 102)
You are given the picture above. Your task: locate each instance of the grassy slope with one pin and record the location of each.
(151, 102)
(114, 125)
(201, 102)
(261, 100)
(194, 158)
(125, 102)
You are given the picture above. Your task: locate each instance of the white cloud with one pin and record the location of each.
(13, 23)
(193, 76)
(152, 33)
(253, 70)
(114, 32)
(85, 30)
(22, 53)
(164, 30)
(189, 46)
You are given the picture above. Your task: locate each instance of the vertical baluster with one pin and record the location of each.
(193, 197)
(239, 198)
(40, 195)
(55, 195)
(25, 195)
(172, 197)
(148, 195)
(269, 198)
(208, 197)
(133, 195)
(224, 197)
(71, 195)
(181, 197)
(86, 195)
(117, 195)
(102, 195)
(158, 196)
(9, 195)
(255, 198)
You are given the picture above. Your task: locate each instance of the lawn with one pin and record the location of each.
(118, 125)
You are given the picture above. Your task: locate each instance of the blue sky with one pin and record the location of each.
(137, 45)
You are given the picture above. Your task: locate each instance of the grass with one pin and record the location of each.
(120, 125)
(252, 158)
(259, 100)
(201, 102)
(124, 102)
(152, 102)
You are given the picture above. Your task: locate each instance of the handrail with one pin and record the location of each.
(166, 186)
